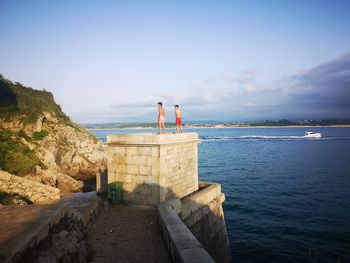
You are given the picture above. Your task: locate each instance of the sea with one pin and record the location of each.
(287, 196)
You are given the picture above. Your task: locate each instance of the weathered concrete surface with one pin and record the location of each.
(88, 205)
(127, 234)
(153, 167)
(24, 227)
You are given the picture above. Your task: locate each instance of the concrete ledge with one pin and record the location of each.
(203, 211)
(151, 139)
(24, 227)
(181, 243)
(150, 143)
(194, 202)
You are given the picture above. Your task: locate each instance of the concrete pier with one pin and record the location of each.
(153, 167)
(162, 170)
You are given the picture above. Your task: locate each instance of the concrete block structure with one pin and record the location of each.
(153, 167)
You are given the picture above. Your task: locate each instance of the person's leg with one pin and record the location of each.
(177, 128)
(160, 127)
(163, 126)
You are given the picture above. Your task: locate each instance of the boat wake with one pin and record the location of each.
(267, 138)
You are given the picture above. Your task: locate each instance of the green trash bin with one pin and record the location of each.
(116, 192)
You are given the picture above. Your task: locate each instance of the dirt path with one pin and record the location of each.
(127, 234)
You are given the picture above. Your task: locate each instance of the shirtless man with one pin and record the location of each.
(161, 118)
(178, 119)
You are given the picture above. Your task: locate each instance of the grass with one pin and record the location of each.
(15, 157)
(40, 135)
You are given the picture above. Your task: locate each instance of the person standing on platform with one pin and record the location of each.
(161, 118)
(178, 119)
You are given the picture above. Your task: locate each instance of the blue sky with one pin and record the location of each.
(226, 60)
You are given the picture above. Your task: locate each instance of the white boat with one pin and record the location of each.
(313, 135)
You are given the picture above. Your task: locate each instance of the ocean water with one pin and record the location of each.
(287, 197)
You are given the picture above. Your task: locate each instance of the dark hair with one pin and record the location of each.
(176, 106)
(159, 103)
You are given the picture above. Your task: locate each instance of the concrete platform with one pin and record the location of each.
(127, 234)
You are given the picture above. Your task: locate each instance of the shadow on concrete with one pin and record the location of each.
(201, 212)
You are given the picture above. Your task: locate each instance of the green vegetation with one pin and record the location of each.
(40, 135)
(28, 104)
(22, 134)
(15, 157)
(8, 199)
(15, 99)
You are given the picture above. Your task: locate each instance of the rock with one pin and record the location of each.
(47, 259)
(68, 185)
(66, 247)
(63, 234)
(46, 177)
(39, 123)
(48, 158)
(66, 149)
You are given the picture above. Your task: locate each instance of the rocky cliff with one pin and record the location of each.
(39, 142)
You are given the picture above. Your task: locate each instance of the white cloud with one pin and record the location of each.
(322, 91)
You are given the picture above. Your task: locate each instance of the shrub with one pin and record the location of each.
(15, 157)
(40, 135)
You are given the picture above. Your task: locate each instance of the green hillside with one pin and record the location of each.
(27, 103)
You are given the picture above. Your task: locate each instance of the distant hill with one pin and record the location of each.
(284, 122)
(267, 123)
(133, 125)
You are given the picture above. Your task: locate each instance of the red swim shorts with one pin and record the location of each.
(178, 121)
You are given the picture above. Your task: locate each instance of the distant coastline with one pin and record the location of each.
(223, 124)
(226, 127)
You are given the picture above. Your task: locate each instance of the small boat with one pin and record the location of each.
(313, 135)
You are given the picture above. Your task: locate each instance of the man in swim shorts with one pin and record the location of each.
(161, 118)
(178, 119)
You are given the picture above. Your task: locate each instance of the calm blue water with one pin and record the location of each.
(287, 197)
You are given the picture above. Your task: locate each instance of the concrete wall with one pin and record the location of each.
(179, 162)
(203, 214)
(194, 227)
(181, 243)
(153, 167)
(35, 192)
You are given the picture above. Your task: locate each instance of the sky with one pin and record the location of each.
(112, 61)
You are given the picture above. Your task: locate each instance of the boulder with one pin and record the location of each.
(68, 185)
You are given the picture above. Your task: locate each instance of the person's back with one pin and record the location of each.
(161, 111)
